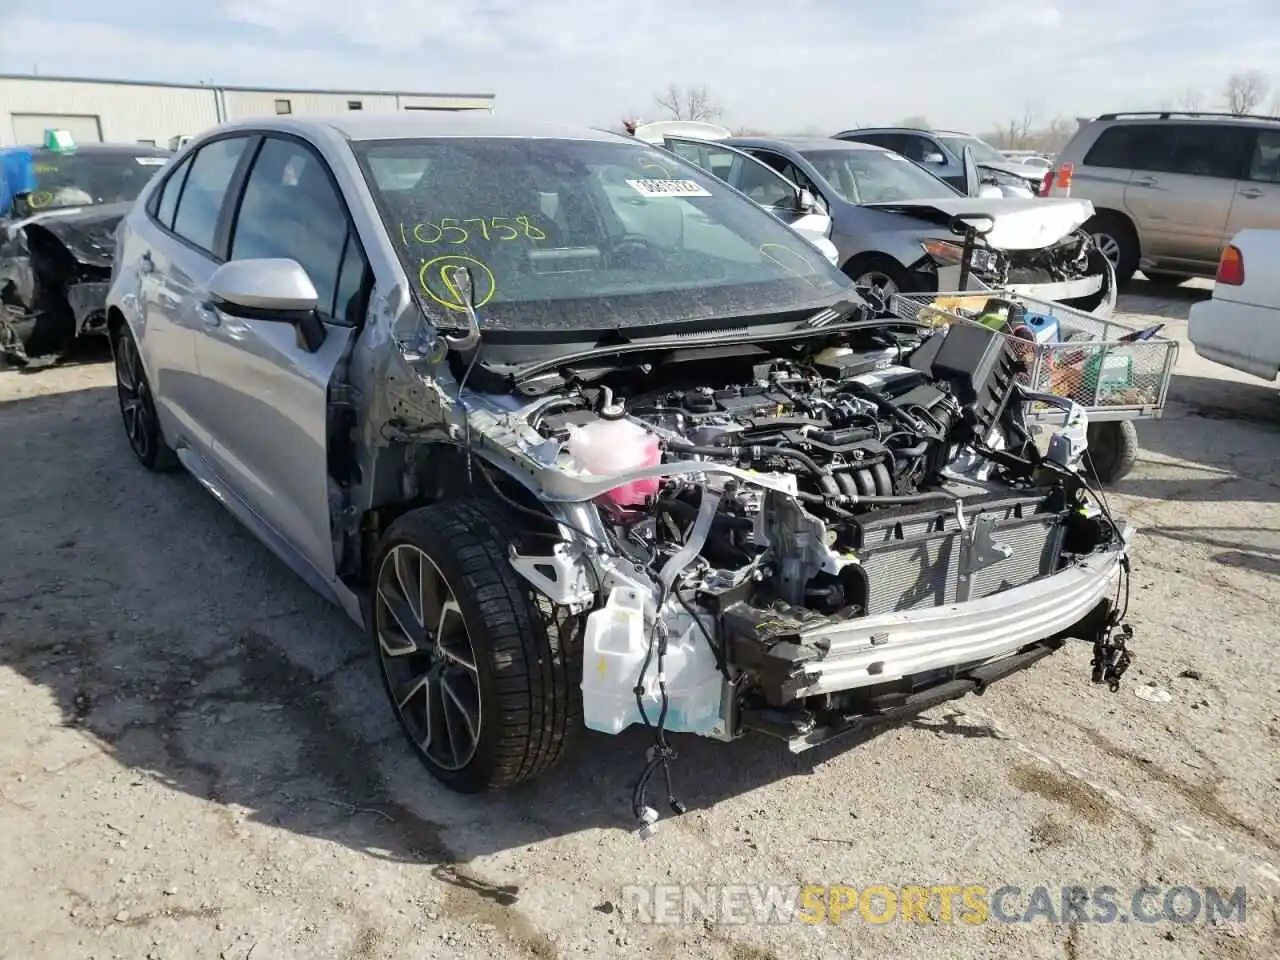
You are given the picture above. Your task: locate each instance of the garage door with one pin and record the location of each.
(30, 127)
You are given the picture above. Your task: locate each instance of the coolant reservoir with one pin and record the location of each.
(610, 446)
(615, 644)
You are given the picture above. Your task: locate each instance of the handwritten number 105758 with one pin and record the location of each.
(457, 231)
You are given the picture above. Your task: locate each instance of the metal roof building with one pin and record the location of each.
(133, 111)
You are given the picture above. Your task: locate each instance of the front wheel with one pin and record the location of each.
(487, 695)
(879, 272)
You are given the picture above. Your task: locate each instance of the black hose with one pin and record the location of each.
(553, 405)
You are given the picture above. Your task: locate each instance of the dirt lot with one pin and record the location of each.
(196, 759)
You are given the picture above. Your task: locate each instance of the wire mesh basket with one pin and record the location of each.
(1114, 371)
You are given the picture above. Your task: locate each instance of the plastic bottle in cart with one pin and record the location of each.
(613, 445)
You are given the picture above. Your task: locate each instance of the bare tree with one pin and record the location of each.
(1015, 134)
(692, 103)
(1244, 91)
(1189, 100)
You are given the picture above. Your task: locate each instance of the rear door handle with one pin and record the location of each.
(1253, 193)
(145, 263)
(1146, 181)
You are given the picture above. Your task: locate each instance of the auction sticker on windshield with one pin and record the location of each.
(668, 188)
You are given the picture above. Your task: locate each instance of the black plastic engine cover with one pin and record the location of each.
(981, 366)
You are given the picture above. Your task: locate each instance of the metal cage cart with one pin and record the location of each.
(1118, 373)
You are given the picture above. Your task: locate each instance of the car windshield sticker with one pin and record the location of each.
(152, 161)
(668, 188)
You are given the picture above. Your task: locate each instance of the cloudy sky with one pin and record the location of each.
(821, 64)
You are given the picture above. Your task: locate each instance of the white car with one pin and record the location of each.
(1240, 326)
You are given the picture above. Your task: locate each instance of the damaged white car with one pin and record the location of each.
(579, 458)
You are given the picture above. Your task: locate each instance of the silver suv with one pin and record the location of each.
(1171, 189)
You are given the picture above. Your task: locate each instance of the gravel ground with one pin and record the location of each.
(196, 759)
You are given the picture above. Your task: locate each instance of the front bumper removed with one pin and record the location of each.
(904, 662)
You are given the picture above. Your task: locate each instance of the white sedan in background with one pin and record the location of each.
(1240, 326)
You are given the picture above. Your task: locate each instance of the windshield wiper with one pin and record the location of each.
(838, 311)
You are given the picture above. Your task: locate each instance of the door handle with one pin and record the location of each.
(1145, 181)
(145, 263)
(208, 315)
(1252, 193)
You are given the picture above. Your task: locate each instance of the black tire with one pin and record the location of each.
(1121, 231)
(1113, 450)
(1164, 279)
(867, 263)
(527, 676)
(133, 391)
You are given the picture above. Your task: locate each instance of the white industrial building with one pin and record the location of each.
(123, 111)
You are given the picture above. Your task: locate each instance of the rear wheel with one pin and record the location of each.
(137, 405)
(487, 694)
(1115, 238)
(1112, 450)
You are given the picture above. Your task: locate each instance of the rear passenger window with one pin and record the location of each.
(169, 193)
(1197, 149)
(292, 210)
(206, 186)
(1265, 165)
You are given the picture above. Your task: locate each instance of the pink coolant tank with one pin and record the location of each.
(607, 447)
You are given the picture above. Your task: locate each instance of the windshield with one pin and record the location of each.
(983, 152)
(586, 235)
(876, 176)
(84, 179)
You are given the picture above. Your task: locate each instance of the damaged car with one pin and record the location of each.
(572, 467)
(59, 207)
(899, 228)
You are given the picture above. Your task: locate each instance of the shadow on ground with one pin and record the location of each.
(85, 351)
(1173, 302)
(191, 655)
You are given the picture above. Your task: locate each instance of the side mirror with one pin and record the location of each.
(277, 290)
(935, 158)
(806, 202)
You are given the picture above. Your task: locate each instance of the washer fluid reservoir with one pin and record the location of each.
(610, 446)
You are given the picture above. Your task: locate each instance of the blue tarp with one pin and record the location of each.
(17, 176)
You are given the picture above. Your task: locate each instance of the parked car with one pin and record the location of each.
(892, 223)
(576, 462)
(58, 212)
(941, 153)
(789, 202)
(1239, 326)
(1171, 189)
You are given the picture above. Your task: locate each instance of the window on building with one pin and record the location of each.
(355, 105)
(283, 107)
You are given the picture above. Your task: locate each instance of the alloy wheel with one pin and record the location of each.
(1108, 246)
(136, 406)
(877, 281)
(428, 658)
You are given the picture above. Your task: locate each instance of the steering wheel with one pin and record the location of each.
(630, 246)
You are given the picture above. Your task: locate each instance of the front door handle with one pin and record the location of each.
(1252, 193)
(209, 316)
(1145, 181)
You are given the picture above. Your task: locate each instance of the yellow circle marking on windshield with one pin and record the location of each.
(787, 259)
(41, 198)
(440, 270)
(656, 163)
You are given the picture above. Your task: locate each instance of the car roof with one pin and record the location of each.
(801, 144)
(102, 149)
(933, 130)
(413, 125)
(1175, 116)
